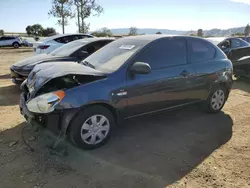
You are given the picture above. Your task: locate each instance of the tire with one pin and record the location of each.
(16, 45)
(216, 100)
(82, 134)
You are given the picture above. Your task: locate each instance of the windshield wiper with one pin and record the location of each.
(86, 63)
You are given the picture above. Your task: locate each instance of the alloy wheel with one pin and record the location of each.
(218, 99)
(95, 129)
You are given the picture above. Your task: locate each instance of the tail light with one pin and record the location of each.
(42, 47)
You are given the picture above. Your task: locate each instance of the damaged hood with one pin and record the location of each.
(32, 61)
(43, 73)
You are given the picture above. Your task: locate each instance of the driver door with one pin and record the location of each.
(167, 85)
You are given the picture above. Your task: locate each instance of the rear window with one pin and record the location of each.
(65, 39)
(201, 51)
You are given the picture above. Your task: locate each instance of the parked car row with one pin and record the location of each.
(74, 51)
(85, 88)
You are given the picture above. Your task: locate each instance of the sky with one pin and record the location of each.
(186, 15)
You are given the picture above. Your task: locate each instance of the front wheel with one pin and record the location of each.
(216, 100)
(15, 45)
(92, 127)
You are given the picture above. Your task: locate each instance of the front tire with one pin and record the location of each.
(16, 45)
(216, 100)
(92, 127)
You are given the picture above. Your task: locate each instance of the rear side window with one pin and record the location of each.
(94, 46)
(65, 39)
(165, 52)
(235, 43)
(201, 51)
(76, 37)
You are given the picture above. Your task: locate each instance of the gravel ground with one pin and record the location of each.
(184, 148)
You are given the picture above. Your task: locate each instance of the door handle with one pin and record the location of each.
(184, 73)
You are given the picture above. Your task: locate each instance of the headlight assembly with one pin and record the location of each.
(45, 103)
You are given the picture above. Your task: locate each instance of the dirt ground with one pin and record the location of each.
(184, 148)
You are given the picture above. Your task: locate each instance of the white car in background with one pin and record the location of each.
(51, 43)
(14, 41)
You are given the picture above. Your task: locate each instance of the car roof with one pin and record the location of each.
(63, 35)
(150, 38)
(95, 39)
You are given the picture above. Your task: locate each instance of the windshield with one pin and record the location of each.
(114, 55)
(69, 48)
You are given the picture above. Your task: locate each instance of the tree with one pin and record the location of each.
(84, 9)
(158, 33)
(200, 33)
(104, 32)
(132, 31)
(36, 30)
(49, 31)
(29, 30)
(61, 9)
(247, 30)
(1, 32)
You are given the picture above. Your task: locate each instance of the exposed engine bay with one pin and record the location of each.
(66, 82)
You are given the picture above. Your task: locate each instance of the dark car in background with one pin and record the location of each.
(240, 58)
(232, 43)
(127, 78)
(72, 52)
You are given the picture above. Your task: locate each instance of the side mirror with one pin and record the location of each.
(140, 68)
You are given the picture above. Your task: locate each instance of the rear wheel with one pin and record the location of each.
(92, 128)
(216, 99)
(15, 45)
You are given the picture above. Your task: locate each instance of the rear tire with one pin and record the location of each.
(92, 127)
(216, 100)
(16, 45)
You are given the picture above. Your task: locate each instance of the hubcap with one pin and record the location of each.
(218, 99)
(95, 129)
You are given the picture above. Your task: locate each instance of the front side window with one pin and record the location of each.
(201, 51)
(165, 52)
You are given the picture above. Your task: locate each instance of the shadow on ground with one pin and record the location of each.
(9, 95)
(5, 76)
(151, 151)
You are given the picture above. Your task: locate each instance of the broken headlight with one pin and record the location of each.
(45, 103)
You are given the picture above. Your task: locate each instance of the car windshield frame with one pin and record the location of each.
(115, 54)
(69, 48)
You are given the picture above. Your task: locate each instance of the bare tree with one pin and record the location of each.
(61, 9)
(86, 8)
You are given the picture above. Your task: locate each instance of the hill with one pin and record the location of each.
(212, 32)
